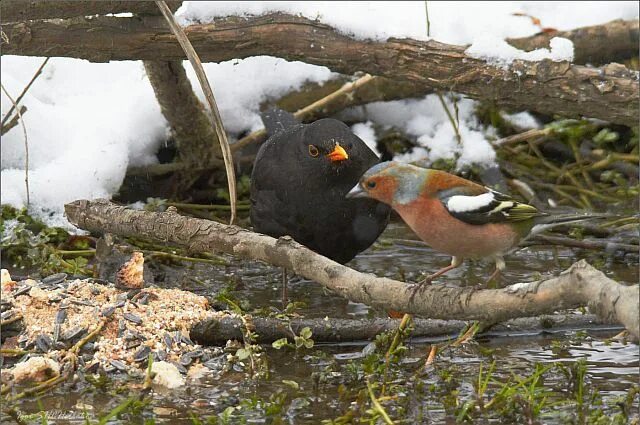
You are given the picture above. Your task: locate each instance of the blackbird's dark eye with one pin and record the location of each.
(371, 184)
(313, 151)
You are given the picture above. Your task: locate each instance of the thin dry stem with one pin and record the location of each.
(214, 113)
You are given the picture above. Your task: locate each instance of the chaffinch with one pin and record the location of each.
(454, 215)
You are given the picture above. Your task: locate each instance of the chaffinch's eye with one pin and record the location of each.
(371, 184)
(313, 151)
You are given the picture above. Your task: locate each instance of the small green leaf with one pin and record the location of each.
(279, 343)
(292, 384)
(242, 353)
(306, 332)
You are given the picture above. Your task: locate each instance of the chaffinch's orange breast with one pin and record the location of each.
(429, 219)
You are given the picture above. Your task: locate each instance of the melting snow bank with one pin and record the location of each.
(500, 53)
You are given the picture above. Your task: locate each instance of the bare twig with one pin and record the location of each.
(26, 144)
(24, 91)
(214, 113)
(13, 122)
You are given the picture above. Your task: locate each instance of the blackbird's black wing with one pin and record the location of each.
(276, 120)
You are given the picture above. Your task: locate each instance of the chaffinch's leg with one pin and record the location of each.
(500, 266)
(455, 262)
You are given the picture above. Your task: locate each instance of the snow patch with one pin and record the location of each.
(367, 133)
(496, 51)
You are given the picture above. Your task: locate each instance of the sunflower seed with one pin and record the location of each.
(61, 315)
(108, 311)
(214, 364)
(142, 354)
(181, 368)
(92, 368)
(118, 365)
(159, 355)
(54, 278)
(194, 354)
(167, 340)
(186, 339)
(43, 343)
(6, 314)
(132, 318)
(132, 293)
(108, 369)
(132, 344)
(122, 326)
(56, 332)
(72, 333)
(83, 302)
(120, 303)
(185, 360)
(23, 290)
(144, 299)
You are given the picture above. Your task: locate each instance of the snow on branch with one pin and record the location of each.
(609, 93)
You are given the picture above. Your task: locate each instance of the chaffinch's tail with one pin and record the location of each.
(546, 222)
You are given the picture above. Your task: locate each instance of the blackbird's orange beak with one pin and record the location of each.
(338, 154)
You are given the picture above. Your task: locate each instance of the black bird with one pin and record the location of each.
(300, 177)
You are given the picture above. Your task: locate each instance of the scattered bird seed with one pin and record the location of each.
(118, 365)
(194, 354)
(132, 318)
(132, 294)
(122, 326)
(72, 333)
(186, 339)
(142, 354)
(54, 279)
(23, 290)
(83, 302)
(167, 340)
(108, 311)
(159, 355)
(185, 360)
(181, 368)
(61, 315)
(43, 343)
(6, 314)
(132, 344)
(92, 368)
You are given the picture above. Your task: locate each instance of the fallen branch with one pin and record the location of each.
(580, 285)
(609, 93)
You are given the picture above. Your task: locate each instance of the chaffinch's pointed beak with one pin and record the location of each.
(357, 192)
(338, 154)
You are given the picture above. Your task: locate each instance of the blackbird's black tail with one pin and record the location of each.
(276, 120)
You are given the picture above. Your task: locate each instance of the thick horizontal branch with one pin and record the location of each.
(22, 10)
(581, 285)
(609, 93)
